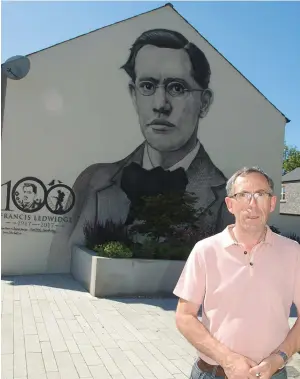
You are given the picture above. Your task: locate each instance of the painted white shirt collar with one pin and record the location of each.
(184, 162)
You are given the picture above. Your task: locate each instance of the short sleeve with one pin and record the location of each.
(297, 281)
(191, 283)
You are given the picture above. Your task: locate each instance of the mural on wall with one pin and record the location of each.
(169, 85)
(30, 195)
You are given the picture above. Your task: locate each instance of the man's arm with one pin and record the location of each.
(236, 366)
(274, 362)
(195, 332)
(191, 290)
(291, 345)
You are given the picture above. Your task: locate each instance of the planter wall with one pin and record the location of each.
(124, 277)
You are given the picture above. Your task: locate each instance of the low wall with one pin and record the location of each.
(124, 277)
(83, 267)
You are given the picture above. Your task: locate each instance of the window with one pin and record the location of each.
(282, 197)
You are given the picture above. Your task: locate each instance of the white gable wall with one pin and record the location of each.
(73, 109)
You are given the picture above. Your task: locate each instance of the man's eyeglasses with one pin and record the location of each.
(246, 197)
(175, 89)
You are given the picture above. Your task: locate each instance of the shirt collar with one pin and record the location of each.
(185, 162)
(227, 239)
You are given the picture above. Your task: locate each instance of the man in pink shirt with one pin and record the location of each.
(246, 279)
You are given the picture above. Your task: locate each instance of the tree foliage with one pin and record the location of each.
(160, 215)
(167, 226)
(291, 158)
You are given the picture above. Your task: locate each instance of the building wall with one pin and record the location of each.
(291, 204)
(74, 110)
(3, 93)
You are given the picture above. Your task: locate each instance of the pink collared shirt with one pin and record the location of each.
(246, 298)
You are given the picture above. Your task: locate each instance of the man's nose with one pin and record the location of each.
(161, 102)
(253, 202)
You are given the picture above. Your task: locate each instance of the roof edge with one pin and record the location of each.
(286, 119)
(291, 176)
(290, 181)
(103, 27)
(153, 10)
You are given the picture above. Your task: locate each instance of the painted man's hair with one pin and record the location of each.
(173, 40)
(33, 186)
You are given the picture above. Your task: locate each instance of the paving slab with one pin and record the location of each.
(53, 328)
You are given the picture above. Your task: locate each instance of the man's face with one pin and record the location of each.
(28, 195)
(167, 122)
(253, 215)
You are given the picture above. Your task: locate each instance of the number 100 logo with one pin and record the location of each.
(30, 195)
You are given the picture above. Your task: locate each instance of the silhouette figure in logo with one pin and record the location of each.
(64, 198)
(59, 202)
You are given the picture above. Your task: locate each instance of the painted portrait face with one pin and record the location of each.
(29, 194)
(167, 98)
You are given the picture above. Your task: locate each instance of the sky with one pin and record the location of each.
(261, 39)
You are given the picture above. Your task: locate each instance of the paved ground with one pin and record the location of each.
(53, 329)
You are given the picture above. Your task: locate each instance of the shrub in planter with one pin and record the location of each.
(168, 226)
(151, 249)
(167, 250)
(113, 250)
(157, 217)
(144, 250)
(165, 226)
(189, 235)
(99, 234)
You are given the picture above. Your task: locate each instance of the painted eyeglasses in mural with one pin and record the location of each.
(169, 85)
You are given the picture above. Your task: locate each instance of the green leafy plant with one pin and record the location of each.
(113, 250)
(99, 234)
(151, 249)
(171, 251)
(144, 250)
(165, 227)
(159, 216)
(169, 225)
(191, 234)
(291, 158)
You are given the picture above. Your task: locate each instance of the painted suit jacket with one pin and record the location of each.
(99, 197)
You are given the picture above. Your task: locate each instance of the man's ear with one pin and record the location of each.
(228, 202)
(207, 97)
(273, 203)
(132, 92)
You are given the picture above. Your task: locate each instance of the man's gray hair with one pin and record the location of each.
(244, 172)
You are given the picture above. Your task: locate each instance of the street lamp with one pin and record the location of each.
(16, 67)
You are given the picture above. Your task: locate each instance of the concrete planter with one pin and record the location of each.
(124, 277)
